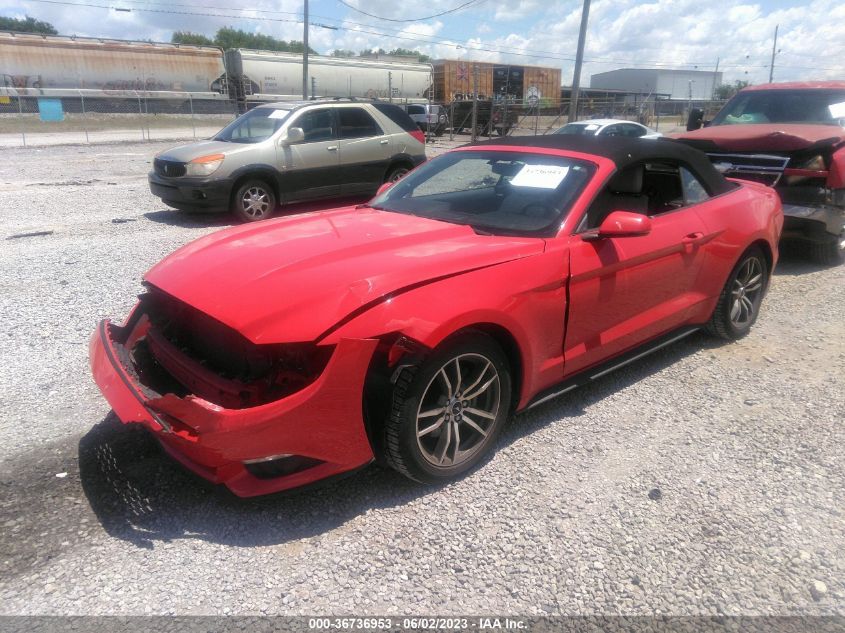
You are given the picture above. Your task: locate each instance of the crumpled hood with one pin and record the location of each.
(291, 279)
(762, 137)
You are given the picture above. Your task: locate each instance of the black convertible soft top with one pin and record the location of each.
(626, 151)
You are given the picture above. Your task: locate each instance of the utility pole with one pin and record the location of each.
(579, 58)
(475, 102)
(305, 52)
(715, 79)
(390, 86)
(774, 50)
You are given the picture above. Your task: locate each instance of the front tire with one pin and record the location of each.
(448, 412)
(830, 252)
(739, 303)
(253, 201)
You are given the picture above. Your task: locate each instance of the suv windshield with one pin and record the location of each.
(254, 126)
(502, 193)
(823, 107)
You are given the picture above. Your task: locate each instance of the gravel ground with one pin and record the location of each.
(705, 479)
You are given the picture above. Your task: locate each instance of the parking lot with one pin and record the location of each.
(705, 479)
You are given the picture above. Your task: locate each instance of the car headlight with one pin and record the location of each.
(204, 165)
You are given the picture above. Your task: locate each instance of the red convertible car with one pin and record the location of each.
(409, 329)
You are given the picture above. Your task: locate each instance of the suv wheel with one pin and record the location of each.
(254, 200)
(396, 173)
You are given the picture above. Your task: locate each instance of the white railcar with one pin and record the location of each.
(275, 76)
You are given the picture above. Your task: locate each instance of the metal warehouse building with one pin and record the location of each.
(693, 85)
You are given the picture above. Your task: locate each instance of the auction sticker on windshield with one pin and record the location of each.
(278, 114)
(541, 176)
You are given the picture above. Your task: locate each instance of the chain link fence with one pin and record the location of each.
(49, 117)
(545, 116)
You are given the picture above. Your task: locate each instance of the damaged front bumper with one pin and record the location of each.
(813, 214)
(315, 433)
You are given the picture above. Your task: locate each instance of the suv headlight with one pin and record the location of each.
(204, 165)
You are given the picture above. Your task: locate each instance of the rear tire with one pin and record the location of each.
(830, 252)
(397, 173)
(253, 201)
(739, 303)
(448, 411)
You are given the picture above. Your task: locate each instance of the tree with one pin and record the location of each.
(406, 52)
(726, 91)
(27, 25)
(186, 37)
(235, 38)
(342, 52)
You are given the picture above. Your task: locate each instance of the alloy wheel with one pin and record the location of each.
(458, 410)
(746, 291)
(256, 202)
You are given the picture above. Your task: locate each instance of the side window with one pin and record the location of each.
(694, 191)
(416, 109)
(357, 123)
(612, 130)
(318, 125)
(633, 130)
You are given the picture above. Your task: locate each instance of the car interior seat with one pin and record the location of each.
(624, 192)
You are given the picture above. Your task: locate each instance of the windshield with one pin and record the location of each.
(254, 126)
(501, 193)
(822, 107)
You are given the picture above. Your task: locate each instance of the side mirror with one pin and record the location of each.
(621, 224)
(293, 135)
(695, 119)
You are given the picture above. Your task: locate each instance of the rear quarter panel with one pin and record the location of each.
(750, 213)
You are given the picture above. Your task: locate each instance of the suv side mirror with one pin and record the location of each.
(621, 224)
(293, 135)
(384, 187)
(695, 119)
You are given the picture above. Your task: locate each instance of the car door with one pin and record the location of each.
(625, 291)
(365, 151)
(311, 168)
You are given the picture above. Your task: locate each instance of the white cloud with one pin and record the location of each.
(622, 33)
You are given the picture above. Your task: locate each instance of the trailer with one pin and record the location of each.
(257, 76)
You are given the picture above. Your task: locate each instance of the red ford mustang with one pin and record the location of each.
(409, 329)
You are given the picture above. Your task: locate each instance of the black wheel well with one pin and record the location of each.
(763, 245)
(265, 176)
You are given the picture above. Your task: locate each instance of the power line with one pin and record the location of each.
(426, 40)
(427, 17)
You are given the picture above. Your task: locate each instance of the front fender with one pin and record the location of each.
(525, 297)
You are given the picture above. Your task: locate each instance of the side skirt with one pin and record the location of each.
(594, 373)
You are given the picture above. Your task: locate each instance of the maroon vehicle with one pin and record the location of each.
(790, 136)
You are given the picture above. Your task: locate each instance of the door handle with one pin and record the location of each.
(332, 148)
(383, 142)
(692, 238)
